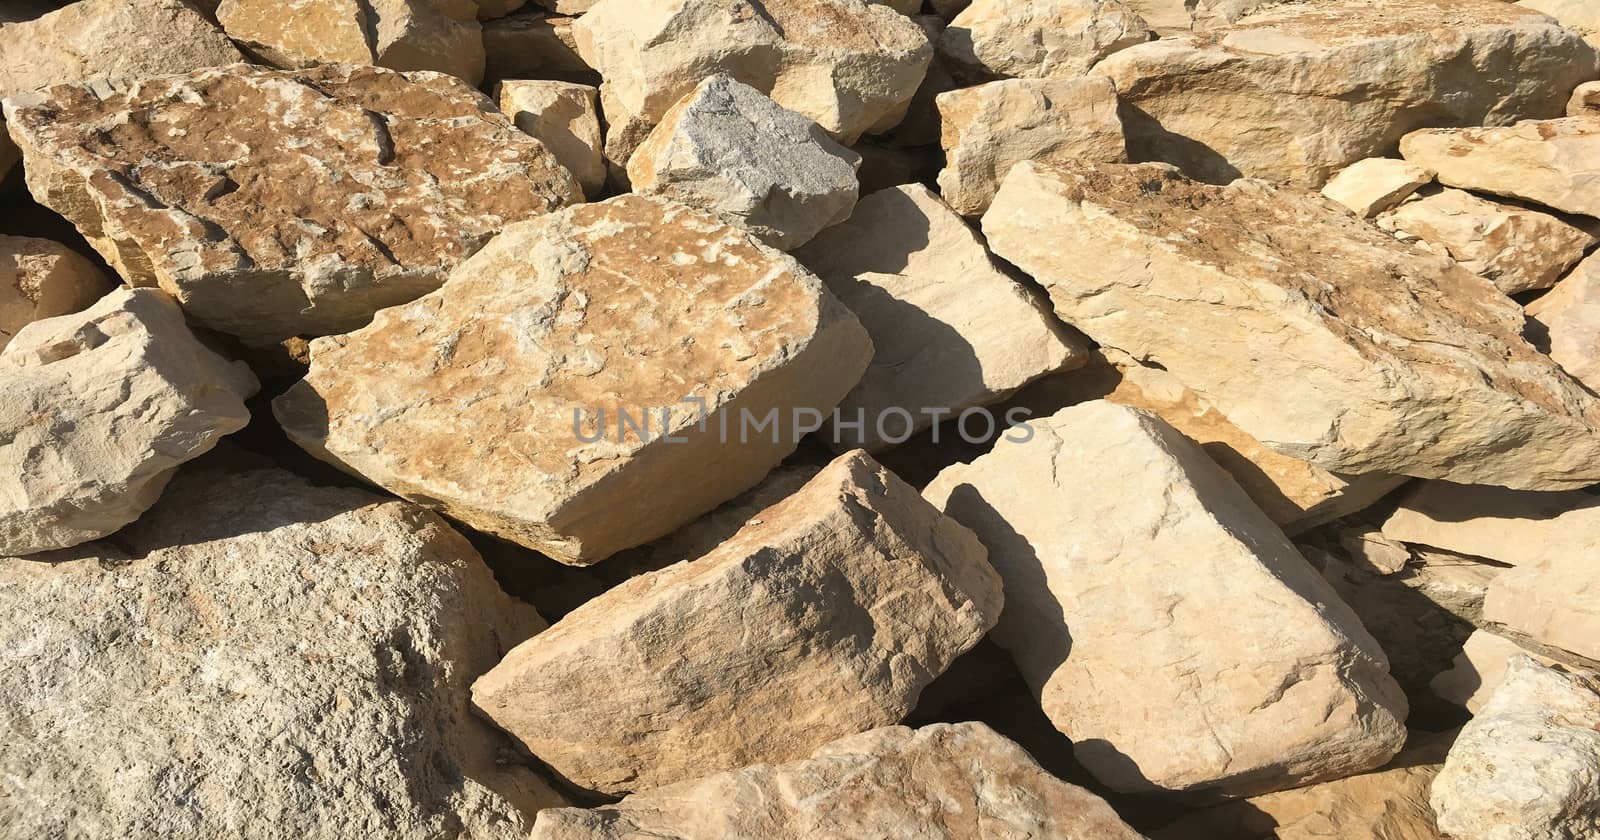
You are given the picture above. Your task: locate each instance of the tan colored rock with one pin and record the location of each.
(1387, 804)
(989, 128)
(1554, 601)
(1369, 187)
(1585, 101)
(1479, 669)
(1551, 162)
(1527, 767)
(824, 616)
(1037, 39)
(567, 7)
(42, 279)
(1167, 626)
(1298, 91)
(533, 45)
(950, 330)
(1313, 331)
(1373, 552)
(498, 399)
(260, 656)
(1507, 526)
(1516, 248)
(849, 65)
(101, 407)
(942, 782)
(565, 117)
(439, 35)
(376, 186)
(1567, 321)
(1579, 15)
(728, 149)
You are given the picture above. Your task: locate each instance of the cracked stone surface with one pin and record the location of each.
(1037, 39)
(42, 279)
(1517, 248)
(1550, 162)
(439, 35)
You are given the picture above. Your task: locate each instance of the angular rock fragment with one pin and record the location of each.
(730, 150)
(1036, 39)
(1549, 162)
(1311, 330)
(560, 387)
(101, 407)
(950, 330)
(1554, 601)
(824, 616)
(1528, 765)
(533, 45)
(1167, 626)
(1373, 552)
(1579, 15)
(1567, 322)
(987, 129)
(1479, 669)
(1585, 101)
(565, 117)
(258, 652)
(1369, 187)
(849, 65)
(1297, 91)
(365, 195)
(944, 781)
(439, 35)
(1516, 248)
(42, 279)
(1512, 527)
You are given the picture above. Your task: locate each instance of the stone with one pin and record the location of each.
(42, 279)
(1166, 625)
(941, 782)
(533, 45)
(1313, 331)
(1511, 527)
(1369, 187)
(101, 407)
(258, 651)
(1579, 15)
(1567, 323)
(1554, 601)
(1516, 248)
(1039, 39)
(1585, 101)
(1550, 162)
(728, 149)
(179, 183)
(824, 616)
(1528, 765)
(950, 330)
(1373, 552)
(1295, 494)
(439, 35)
(1387, 804)
(989, 128)
(500, 398)
(565, 117)
(1479, 669)
(1298, 91)
(849, 65)
(567, 7)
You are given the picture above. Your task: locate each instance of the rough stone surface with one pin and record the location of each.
(533, 45)
(1585, 101)
(1313, 331)
(1035, 39)
(987, 129)
(1167, 626)
(849, 65)
(1478, 670)
(1372, 551)
(258, 655)
(101, 407)
(825, 616)
(1298, 91)
(1516, 248)
(1369, 187)
(1507, 526)
(498, 398)
(42, 279)
(941, 782)
(728, 149)
(1580, 15)
(371, 187)
(1566, 322)
(1527, 767)
(1388, 804)
(1554, 600)
(949, 329)
(439, 35)
(565, 117)
(1551, 162)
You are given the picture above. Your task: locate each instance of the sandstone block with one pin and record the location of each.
(439, 35)
(1567, 322)
(1035, 39)
(1369, 187)
(42, 279)
(1511, 527)
(565, 117)
(1516, 248)
(1550, 162)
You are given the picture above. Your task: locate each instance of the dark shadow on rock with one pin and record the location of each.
(1149, 141)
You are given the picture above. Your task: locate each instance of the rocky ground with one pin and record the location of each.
(800, 419)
